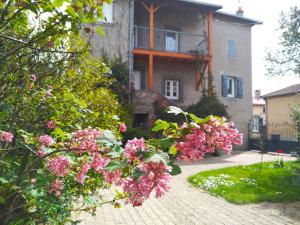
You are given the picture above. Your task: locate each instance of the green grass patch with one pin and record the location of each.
(252, 184)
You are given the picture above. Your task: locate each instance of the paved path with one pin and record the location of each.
(185, 205)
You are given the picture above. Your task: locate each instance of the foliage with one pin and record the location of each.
(133, 132)
(285, 61)
(44, 176)
(160, 112)
(253, 183)
(295, 116)
(209, 105)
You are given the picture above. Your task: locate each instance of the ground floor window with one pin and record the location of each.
(172, 89)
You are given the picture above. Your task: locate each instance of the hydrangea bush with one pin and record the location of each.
(58, 175)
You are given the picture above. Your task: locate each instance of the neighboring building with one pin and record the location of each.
(258, 111)
(175, 48)
(278, 111)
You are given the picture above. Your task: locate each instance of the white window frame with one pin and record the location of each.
(171, 89)
(232, 94)
(173, 45)
(108, 12)
(255, 126)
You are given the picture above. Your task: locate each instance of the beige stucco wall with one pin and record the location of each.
(258, 110)
(115, 41)
(278, 119)
(225, 29)
(278, 108)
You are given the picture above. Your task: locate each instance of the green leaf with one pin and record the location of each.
(172, 150)
(116, 152)
(165, 143)
(3, 180)
(58, 3)
(157, 157)
(116, 165)
(160, 125)
(175, 110)
(196, 119)
(175, 170)
(109, 139)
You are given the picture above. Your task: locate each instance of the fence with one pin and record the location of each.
(283, 136)
(170, 40)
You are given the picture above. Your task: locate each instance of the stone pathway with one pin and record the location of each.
(185, 205)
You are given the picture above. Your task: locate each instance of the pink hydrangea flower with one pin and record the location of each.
(51, 124)
(45, 140)
(99, 162)
(122, 128)
(132, 146)
(86, 140)
(81, 175)
(113, 177)
(6, 136)
(59, 166)
(56, 187)
(48, 93)
(207, 138)
(155, 177)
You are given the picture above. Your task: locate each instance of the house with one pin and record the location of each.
(258, 111)
(278, 109)
(177, 48)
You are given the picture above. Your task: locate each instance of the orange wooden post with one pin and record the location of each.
(151, 26)
(198, 79)
(150, 78)
(209, 46)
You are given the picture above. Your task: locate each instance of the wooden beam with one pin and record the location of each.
(145, 6)
(198, 79)
(150, 78)
(192, 57)
(209, 69)
(151, 26)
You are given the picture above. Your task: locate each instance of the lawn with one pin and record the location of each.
(255, 183)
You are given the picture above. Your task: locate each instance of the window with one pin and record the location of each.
(231, 49)
(172, 89)
(255, 125)
(107, 12)
(232, 86)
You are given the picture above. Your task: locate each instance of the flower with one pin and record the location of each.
(56, 187)
(33, 77)
(206, 138)
(51, 124)
(45, 140)
(113, 177)
(155, 177)
(99, 162)
(81, 175)
(6, 136)
(122, 128)
(279, 151)
(132, 146)
(86, 140)
(32, 181)
(59, 166)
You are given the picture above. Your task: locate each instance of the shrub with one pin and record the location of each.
(208, 105)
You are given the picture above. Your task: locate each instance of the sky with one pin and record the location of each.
(263, 37)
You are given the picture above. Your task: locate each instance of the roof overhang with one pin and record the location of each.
(241, 19)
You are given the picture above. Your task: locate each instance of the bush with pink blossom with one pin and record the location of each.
(85, 161)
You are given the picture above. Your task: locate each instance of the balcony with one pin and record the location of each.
(171, 41)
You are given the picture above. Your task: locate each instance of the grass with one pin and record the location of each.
(252, 184)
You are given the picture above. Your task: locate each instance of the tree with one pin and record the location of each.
(286, 60)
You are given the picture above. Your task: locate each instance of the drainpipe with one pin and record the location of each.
(130, 45)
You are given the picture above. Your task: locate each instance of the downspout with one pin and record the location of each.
(130, 46)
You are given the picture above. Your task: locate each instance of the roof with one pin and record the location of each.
(260, 101)
(198, 3)
(240, 18)
(294, 89)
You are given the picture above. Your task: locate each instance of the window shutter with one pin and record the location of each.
(239, 84)
(224, 85)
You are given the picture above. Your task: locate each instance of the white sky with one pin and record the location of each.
(263, 37)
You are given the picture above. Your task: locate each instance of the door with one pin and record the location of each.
(137, 80)
(172, 41)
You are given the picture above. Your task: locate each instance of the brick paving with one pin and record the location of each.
(185, 205)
